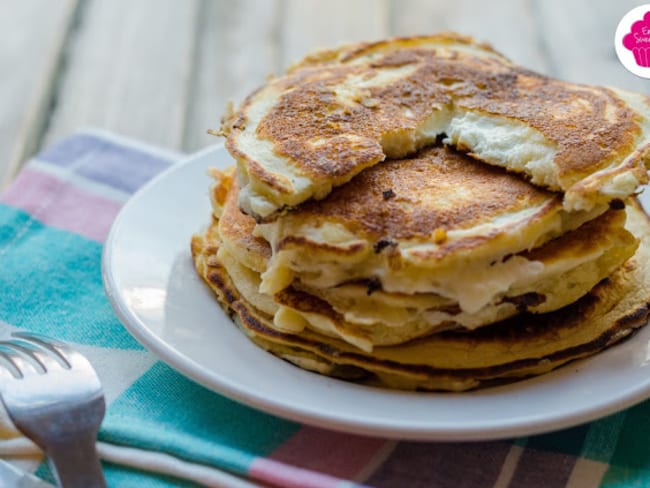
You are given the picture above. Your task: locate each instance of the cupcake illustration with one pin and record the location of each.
(638, 41)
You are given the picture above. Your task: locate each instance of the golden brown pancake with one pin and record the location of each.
(522, 346)
(236, 227)
(344, 110)
(438, 222)
(362, 313)
(365, 317)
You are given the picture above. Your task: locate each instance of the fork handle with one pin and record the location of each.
(76, 463)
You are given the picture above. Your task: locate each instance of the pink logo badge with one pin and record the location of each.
(638, 41)
(632, 41)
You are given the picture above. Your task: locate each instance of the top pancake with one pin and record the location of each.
(340, 111)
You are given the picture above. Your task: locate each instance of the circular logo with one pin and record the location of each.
(632, 41)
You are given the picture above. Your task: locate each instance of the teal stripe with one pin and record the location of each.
(568, 441)
(119, 476)
(630, 462)
(620, 477)
(50, 282)
(632, 449)
(602, 438)
(10, 222)
(200, 425)
(520, 441)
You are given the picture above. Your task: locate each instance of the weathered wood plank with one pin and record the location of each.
(236, 50)
(509, 26)
(33, 36)
(128, 71)
(579, 39)
(257, 38)
(312, 24)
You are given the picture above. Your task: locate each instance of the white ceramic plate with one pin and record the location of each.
(152, 285)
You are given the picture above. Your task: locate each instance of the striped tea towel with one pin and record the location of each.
(163, 430)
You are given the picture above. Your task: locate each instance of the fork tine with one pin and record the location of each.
(8, 368)
(43, 343)
(24, 367)
(69, 357)
(60, 349)
(42, 355)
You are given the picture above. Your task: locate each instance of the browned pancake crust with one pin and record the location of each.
(580, 241)
(591, 126)
(235, 226)
(437, 191)
(412, 198)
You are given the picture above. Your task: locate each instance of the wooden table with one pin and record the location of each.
(162, 70)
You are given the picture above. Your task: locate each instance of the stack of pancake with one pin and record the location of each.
(423, 213)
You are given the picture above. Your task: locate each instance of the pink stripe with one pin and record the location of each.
(279, 474)
(59, 204)
(322, 451)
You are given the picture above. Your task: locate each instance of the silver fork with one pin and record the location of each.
(54, 397)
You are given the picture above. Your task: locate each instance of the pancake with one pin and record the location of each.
(518, 347)
(340, 111)
(366, 320)
(438, 222)
(362, 313)
(236, 228)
